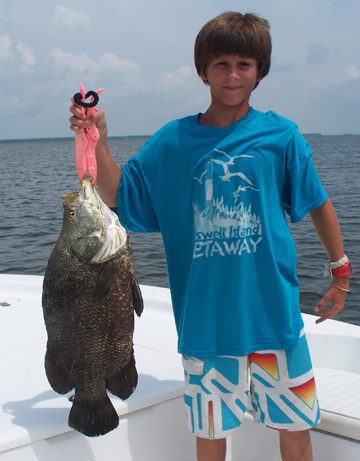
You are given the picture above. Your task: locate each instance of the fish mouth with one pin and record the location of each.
(70, 198)
(77, 197)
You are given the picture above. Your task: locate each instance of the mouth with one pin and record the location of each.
(232, 88)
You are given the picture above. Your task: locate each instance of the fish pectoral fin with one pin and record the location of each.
(137, 298)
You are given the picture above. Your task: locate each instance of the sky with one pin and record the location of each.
(142, 53)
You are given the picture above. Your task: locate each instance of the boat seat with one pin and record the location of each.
(339, 398)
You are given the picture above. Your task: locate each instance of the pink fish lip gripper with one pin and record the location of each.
(86, 139)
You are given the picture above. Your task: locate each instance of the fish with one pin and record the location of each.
(89, 297)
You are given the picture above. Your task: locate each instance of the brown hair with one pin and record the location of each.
(234, 33)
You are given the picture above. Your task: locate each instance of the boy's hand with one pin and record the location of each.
(333, 301)
(78, 120)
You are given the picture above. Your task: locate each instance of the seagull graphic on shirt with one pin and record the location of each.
(240, 189)
(232, 159)
(228, 175)
(200, 179)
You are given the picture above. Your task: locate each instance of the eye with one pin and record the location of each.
(72, 213)
(246, 64)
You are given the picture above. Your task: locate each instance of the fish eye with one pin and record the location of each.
(72, 213)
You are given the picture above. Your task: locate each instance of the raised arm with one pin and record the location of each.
(108, 171)
(328, 229)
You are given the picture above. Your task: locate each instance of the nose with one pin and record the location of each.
(233, 72)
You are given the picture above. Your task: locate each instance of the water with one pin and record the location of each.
(34, 173)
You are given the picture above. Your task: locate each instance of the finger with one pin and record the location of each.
(333, 308)
(77, 112)
(321, 305)
(76, 129)
(330, 299)
(328, 312)
(74, 120)
(76, 124)
(327, 316)
(333, 298)
(322, 319)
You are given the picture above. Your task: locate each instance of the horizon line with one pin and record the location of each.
(59, 138)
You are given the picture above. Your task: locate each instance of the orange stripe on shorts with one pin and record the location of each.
(211, 420)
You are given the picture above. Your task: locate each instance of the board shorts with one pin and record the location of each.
(276, 386)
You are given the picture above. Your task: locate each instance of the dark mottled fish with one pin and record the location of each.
(89, 297)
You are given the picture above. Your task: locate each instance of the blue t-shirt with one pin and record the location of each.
(219, 196)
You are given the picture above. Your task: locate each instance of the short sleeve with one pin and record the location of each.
(134, 203)
(303, 190)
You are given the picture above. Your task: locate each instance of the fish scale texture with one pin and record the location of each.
(89, 316)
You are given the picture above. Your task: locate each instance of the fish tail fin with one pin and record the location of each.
(93, 418)
(56, 374)
(124, 383)
(137, 298)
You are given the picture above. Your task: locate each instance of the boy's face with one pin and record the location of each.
(232, 79)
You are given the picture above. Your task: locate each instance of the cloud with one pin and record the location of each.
(109, 64)
(5, 46)
(70, 61)
(14, 50)
(277, 66)
(27, 54)
(178, 77)
(68, 17)
(352, 72)
(317, 54)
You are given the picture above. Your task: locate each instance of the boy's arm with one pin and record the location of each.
(108, 171)
(328, 229)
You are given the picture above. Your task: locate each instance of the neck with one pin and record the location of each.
(222, 118)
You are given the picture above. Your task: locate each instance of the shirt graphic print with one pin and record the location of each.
(225, 225)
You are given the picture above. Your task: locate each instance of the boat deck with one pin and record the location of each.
(32, 415)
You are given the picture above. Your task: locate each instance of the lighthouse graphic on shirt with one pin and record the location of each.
(225, 223)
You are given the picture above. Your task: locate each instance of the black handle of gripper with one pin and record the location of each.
(78, 99)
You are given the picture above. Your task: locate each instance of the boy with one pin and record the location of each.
(217, 186)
